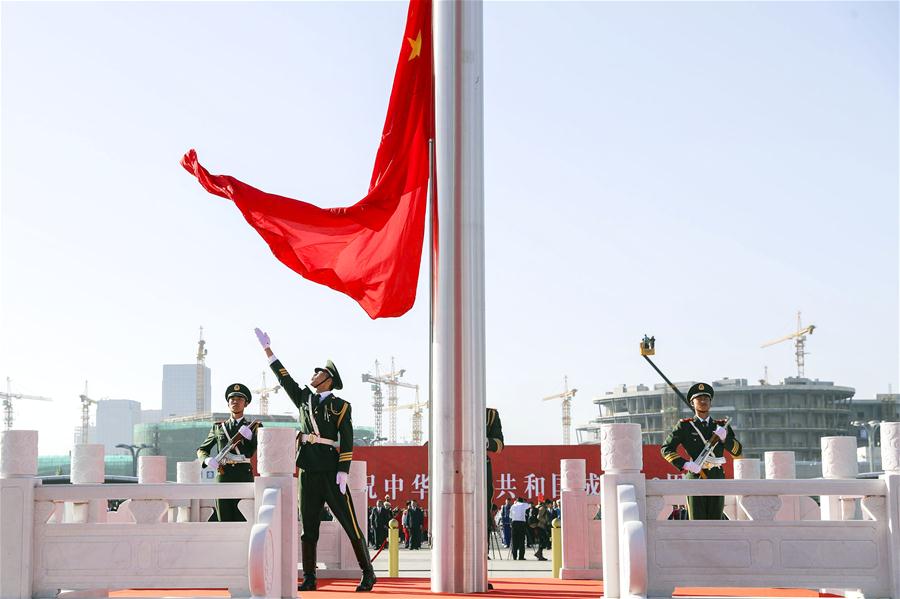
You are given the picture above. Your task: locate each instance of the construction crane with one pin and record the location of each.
(7, 402)
(85, 413)
(392, 381)
(263, 393)
(201, 374)
(800, 344)
(566, 397)
(417, 407)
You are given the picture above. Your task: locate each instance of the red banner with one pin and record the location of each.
(400, 472)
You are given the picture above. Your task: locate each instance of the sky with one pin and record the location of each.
(695, 171)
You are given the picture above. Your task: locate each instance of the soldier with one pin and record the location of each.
(324, 456)
(494, 445)
(235, 466)
(692, 434)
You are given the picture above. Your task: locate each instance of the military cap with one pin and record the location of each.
(700, 389)
(332, 370)
(238, 389)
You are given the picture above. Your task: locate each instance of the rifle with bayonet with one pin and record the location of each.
(238, 437)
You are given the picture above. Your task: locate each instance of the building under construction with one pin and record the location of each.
(792, 416)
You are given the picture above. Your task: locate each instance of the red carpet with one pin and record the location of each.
(526, 588)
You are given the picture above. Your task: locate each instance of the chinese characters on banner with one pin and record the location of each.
(400, 472)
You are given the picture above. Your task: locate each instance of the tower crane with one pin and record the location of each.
(799, 343)
(417, 407)
(392, 381)
(263, 393)
(201, 374)
(85, 413)
(7, 402)
(566, 397)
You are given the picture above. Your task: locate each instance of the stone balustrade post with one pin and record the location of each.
(782, 465)
(18, 472)
(890, 447)
(838, 462)
(88, 468)
(890, 463)
(621, 460)
(151, 469)
(575, 521)
(188, 473)
(275, 462)
(744, 469)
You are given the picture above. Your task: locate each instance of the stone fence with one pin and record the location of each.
(61, 537)
(774, 538)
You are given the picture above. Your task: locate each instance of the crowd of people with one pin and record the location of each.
(410, 523)
(526, 523)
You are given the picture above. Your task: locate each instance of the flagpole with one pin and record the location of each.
(431, 221)
(457, 481)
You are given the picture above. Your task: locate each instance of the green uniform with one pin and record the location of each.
(693, 440)
(494, 444)
(319, 464)
(219, 437)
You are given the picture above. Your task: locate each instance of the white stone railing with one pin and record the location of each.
(646, 555)
(61, 537)
(582, 549)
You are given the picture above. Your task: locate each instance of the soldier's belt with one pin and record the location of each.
(234, 462)
(314, 438)
(708, 466)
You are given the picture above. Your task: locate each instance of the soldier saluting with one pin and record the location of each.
(234, 466)
(324, 456)
(693, 434)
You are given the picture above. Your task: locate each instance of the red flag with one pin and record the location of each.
(372, 249)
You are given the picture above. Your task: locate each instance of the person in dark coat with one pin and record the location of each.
(692, 434)
(235, 465)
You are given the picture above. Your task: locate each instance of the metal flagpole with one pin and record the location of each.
(431, 206)
(457, 481)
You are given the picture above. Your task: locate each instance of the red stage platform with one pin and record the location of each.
(525, 588)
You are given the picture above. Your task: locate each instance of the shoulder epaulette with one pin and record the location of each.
(720, 422)
(218, 422)
(686, 419)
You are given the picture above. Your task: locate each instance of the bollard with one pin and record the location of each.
(393, 549)
(556, 546)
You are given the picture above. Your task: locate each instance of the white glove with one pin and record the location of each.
(212, 463)
(263, 338)
(722, 432)
(692, 466)
(341, 481)
(246, 432)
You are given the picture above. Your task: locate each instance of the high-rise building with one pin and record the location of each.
(115, 423)
(179, 390)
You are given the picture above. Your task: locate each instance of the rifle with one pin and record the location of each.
(233, 443)
(708, 449)
(648, 348)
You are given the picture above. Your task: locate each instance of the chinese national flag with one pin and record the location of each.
(371, 250)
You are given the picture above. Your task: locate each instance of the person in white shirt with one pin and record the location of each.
(517, 516)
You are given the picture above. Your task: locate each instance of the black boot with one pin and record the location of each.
(308, 552)
(365, 564)
(367, 581)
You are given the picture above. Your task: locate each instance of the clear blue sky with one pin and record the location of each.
(697, 171)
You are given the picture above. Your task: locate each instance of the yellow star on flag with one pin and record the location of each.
(416, 45)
